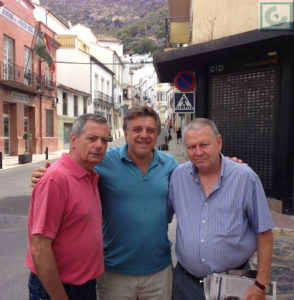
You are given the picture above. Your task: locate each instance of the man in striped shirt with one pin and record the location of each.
(222, 216)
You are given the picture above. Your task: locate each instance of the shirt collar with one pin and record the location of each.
(75, 168)
(193, 169)
(157, 155)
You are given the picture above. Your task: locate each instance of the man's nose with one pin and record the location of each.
(198, 151)
(144, 133)
(98, 143)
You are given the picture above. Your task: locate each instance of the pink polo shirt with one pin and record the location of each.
(65, 206)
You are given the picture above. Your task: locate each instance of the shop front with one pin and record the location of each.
(244, 83)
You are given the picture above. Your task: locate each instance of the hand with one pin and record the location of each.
(236, 159)
(254, 293)
(38, 173)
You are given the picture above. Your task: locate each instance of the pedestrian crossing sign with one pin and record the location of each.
(184, 102)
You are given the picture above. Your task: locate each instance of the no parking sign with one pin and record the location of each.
(185, 81)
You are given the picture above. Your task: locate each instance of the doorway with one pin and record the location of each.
(66, 135)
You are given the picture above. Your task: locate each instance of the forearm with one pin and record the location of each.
(47, 272)
(264, 256)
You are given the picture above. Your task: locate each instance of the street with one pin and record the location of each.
(14, 203)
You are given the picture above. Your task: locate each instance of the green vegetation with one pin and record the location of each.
(146, 34)
(139, 24)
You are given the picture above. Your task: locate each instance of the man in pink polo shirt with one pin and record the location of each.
(65, 249)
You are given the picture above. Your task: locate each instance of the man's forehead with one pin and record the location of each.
(140, 120)
(95, 127)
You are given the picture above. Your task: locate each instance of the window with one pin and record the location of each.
(6, 131)
(49, 122)
(75, 105)
(64, 104)
(96, 82)
(108, 88)
(26, 128)
(102, 85)
(159, 96)
(28, 66)
(85, 104)
(8, 61)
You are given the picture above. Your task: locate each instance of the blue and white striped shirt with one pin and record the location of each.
(217, 232)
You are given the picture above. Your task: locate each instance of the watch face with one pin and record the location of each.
(267, 289)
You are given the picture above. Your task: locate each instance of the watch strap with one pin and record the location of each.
(261, 286)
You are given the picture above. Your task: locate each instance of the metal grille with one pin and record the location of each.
(244, 107)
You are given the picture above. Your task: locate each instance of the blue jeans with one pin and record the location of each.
(185, 288)
(87, 291)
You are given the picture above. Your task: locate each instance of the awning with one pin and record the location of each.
(251, 43)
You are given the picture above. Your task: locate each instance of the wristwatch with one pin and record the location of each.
(265, 288)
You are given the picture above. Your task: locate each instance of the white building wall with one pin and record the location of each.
(117, 47)
(75, 73)
(42, 14)
(85, 32)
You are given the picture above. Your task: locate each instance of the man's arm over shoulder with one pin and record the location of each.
(46, 267)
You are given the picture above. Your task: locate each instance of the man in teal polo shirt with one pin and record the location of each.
(134, 185)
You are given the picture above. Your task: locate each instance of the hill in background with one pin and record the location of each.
(140, 24)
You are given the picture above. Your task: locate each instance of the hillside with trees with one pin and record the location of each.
(139, 24)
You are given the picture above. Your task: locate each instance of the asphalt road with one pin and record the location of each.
(15, 194)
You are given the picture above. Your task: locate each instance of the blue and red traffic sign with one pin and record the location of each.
(185, 81)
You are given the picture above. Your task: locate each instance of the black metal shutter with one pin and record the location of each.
(244, 107)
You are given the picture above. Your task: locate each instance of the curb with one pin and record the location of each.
(283, 232)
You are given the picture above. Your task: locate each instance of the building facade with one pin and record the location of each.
(244, 78)
(27, 87)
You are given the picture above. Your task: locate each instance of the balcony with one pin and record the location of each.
(18, 77)
(102, 99)
(178, 30)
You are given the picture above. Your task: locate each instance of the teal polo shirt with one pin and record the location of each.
(135, 219)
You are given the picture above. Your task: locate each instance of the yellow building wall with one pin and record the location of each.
(213, 19)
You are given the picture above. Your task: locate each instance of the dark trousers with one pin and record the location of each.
(185, 287)
(87, 291)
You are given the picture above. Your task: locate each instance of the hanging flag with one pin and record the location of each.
(42, 48)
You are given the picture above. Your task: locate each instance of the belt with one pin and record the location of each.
(200, 279)
(194, 278)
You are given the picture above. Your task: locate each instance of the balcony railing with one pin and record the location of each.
(103, 97)
(178, 30)
(16, 74)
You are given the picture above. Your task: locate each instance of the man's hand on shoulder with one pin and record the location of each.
(236, 159)
(254, 293)
(38, 173)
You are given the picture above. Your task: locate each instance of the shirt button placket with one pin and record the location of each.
(203, 229)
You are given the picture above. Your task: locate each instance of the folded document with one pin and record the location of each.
(233, 286)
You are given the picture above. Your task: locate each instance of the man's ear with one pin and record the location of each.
(126, 135)
(73, 140)
(220, 142)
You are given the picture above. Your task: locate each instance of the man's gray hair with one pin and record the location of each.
(78, 126)
(199, 123)
(141, 111)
